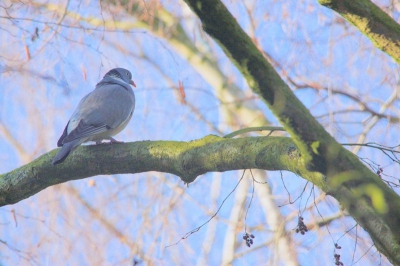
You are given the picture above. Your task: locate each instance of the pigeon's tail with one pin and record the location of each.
(66, 149)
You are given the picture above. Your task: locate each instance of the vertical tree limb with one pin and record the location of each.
(371, 203)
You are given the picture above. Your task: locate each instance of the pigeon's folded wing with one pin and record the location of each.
(84, 130)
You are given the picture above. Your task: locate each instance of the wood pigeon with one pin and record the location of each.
(101, 114)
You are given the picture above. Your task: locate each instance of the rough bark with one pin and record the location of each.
(185, 159)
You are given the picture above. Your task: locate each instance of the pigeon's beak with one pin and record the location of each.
(133, 83)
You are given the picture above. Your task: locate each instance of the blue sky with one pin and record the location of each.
(309, 44)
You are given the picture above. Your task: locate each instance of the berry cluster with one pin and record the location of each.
(301, 226)
(249, 239)
(337, 256)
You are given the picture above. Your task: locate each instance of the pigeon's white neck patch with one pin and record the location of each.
(118, 79)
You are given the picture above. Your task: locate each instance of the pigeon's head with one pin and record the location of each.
(121, 74)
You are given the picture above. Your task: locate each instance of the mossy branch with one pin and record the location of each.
(185, 159)
(369, 201)
(372, 21)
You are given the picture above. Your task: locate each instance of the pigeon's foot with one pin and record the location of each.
(112, 141)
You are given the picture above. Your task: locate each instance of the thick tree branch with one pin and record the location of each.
(185, 159)
(372, 21)
(370, 202)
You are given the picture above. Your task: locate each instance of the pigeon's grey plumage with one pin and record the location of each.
(101, 114)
